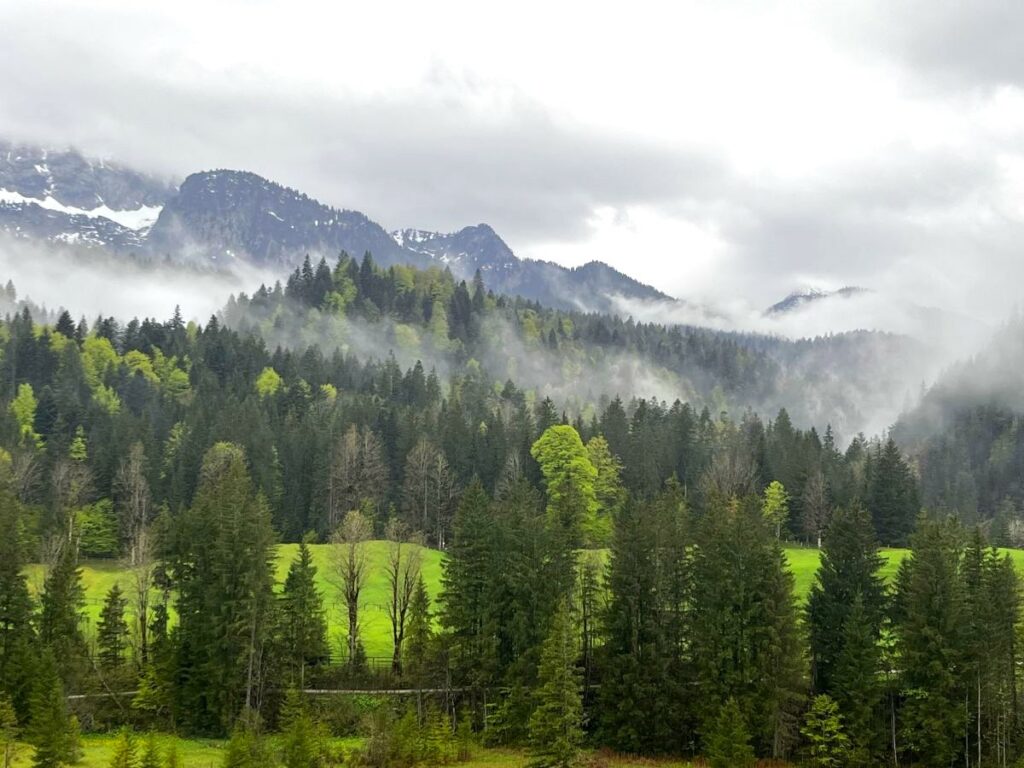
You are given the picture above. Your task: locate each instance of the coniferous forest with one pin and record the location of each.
(614, 569)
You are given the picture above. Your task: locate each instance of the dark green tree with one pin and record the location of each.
(302, 617)
(61, 611)
(556, 725)
(727, 742)
(16, 633)
(112, 630)
(52, 731)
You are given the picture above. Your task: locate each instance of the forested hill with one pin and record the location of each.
(324, 427)
(581, 359)
(967, 437)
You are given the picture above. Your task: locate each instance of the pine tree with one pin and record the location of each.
(892, 495)
(112, 630)
(303, 622)
(420, 633)
(51, 731)
(727, 744)
(60, 618)
(125, 754)
(150, 754)
(302, 739)
(556, 726)
(827, 744)
(856, 685)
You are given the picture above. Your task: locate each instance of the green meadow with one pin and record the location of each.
(99, 576)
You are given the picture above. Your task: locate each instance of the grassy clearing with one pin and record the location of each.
(99, 576)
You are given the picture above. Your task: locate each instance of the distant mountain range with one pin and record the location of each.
(800, 299)
(224, 217)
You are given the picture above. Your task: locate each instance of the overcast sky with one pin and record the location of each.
(724, 152)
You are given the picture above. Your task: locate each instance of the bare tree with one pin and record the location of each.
(134, 499)
(25, 472)
(358, 473)
(351, 562)
(70, 483)
(405, 561)
(730, 474)
(428, 492)
(511, 473)
(816, 507)
(142, 574)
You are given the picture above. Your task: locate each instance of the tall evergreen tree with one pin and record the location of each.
(52, 731)
(16, 633)
(61, 611)
(302, 619)
(892, 495)
(223, 564)
(112, 630)
(556, 725)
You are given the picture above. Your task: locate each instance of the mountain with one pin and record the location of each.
(231, 217)
(800, 299)
(60, 196)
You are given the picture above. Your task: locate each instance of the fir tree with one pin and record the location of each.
(303, 622)
(125, 754)
(51, 730)
(849, 570)
(727, 743)
(60, 618)
(420, 633)
(556, 726)
(827, 744)
(112, 630)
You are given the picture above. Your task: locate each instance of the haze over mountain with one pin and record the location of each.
(226, 218)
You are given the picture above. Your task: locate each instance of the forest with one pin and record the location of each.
(478, 559)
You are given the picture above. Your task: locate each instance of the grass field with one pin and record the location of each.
(99, 576)
(98, 749)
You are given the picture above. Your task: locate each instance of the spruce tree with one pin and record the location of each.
(9, 732)
(51, 730)
(746, 642)
(16, 634)
(420, 632)
(61, 611)
(827, 743)
(931, 628)
(727, 742)
(556, 726)
(112, 630)
(303, 622)
(125, 753)
(849, 570)
(223, 563)
(302, 739)
(892, 495)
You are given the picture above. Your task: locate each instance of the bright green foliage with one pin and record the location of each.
(112, 631)
(268, 383)
(569, 477)
(150, 757)
(775, 506)
(126, 752)
(302, 620)
(827, 744)
(78, 451)
(608, 490)
(727, 742)
(51, 731)
(98, 529)
(223, 557)
(556, 726)
(23, 406)
(171, 759)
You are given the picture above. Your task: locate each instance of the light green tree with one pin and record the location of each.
(775, 506)
(268, 382)
(827, 743)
